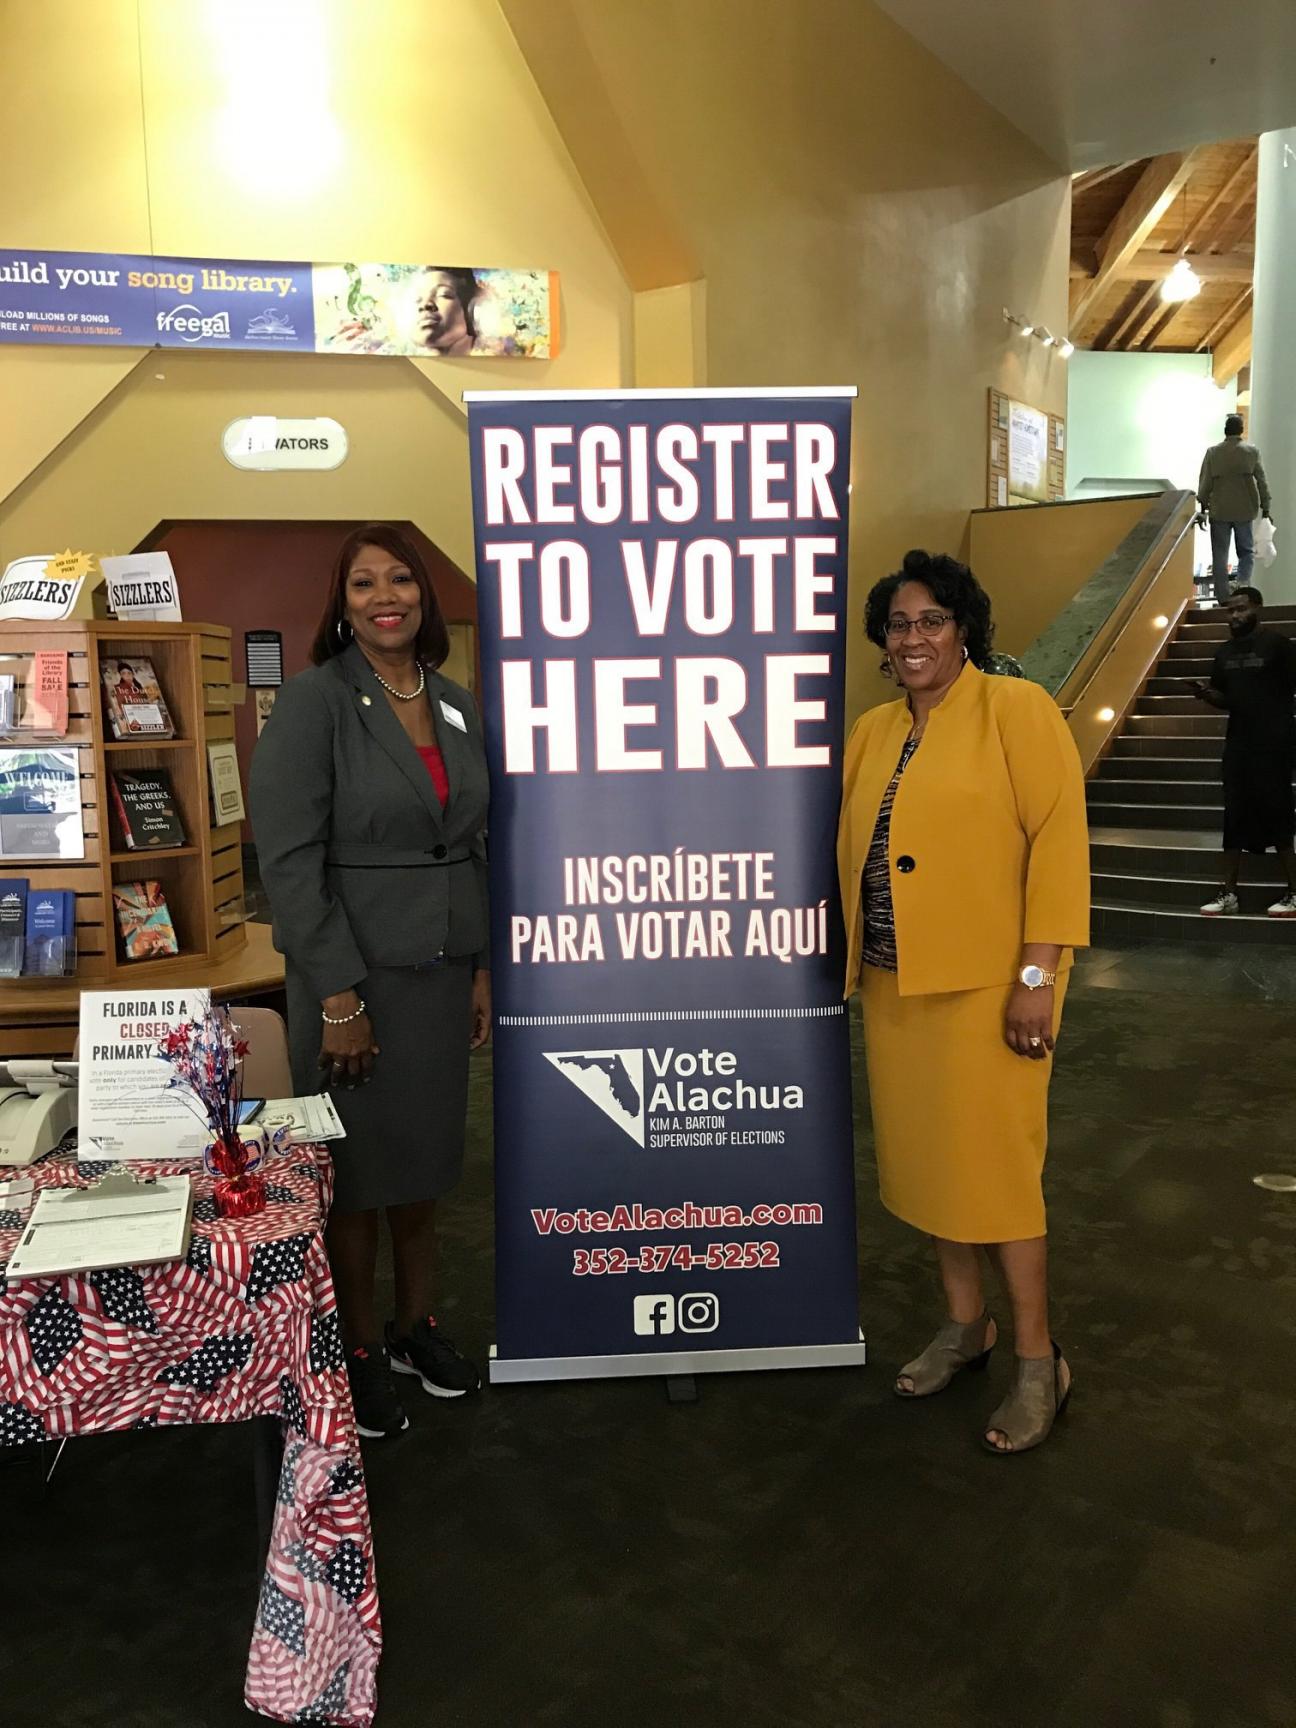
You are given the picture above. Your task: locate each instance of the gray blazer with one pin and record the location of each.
(361, 865)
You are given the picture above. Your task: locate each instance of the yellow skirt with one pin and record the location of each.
(959, 1120)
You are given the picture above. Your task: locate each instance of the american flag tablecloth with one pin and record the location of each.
(245, 1326)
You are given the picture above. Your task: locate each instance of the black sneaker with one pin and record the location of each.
(429, 1354)
(377, 1409)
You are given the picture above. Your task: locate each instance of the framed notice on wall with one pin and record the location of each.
(1026, 454)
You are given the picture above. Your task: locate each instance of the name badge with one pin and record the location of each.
(454, 716)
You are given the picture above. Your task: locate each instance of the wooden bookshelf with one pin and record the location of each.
(202, 880)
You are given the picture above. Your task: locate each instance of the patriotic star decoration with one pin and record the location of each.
(325, 1343)
(281, 1617)
(54, 1328)
(275, 1263)
(19, 1425)
(291, 1406)
(346, 1571)
(210, 1363)
(331, 1701)
(287, 1490)
(345, 1477)
(122, 1293)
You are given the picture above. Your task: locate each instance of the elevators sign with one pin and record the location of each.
(265, 444)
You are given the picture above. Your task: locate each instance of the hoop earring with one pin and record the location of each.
(965, 654)
(343, 625)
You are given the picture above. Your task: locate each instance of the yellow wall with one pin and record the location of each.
(842, 209)
(1034, 559)
(859, 215)
(426, 139)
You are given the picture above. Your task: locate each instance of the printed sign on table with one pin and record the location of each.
(662, 598)
(125, 1108)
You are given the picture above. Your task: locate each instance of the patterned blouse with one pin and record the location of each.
(875, 886)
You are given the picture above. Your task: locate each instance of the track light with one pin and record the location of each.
(1066, 349)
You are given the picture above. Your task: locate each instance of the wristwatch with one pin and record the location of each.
(1035, 977)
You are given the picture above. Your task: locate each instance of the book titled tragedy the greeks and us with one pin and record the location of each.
(145, 808)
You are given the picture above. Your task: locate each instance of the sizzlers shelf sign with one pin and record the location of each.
(661, 595)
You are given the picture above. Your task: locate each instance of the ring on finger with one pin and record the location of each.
(1036, 1043)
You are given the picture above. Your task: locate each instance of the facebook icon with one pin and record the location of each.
(654, 1316)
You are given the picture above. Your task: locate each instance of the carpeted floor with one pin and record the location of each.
(800, 1550)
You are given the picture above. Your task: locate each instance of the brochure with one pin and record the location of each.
(40, 804)
(227, 792)
(306, 1119)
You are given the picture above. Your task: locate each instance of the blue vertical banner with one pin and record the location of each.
(661, 600)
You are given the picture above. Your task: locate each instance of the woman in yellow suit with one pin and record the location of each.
(964, 870)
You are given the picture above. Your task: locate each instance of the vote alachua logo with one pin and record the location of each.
(612, 1079)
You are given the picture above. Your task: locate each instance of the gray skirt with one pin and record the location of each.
(405, 1129)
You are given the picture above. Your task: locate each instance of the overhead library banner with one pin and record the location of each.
(661, 600)
(141, 301)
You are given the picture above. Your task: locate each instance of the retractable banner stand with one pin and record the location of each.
(662, 597)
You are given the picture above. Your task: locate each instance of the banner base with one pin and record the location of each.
(512, 1370)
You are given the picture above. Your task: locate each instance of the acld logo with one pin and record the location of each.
(659, 1315)
(191, 324)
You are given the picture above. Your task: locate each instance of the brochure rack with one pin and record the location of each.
(202, 880)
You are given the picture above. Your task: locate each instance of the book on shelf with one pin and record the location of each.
(40, 804)
(134, 700)
(227, 790)
(146, 809)
(144, 921)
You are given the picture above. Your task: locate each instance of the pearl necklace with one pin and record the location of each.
(400, 695)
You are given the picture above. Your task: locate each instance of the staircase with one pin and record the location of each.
(1156, 810)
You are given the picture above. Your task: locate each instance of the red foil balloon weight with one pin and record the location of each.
(239, 1191)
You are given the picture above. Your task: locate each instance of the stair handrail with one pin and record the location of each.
(1058, 654)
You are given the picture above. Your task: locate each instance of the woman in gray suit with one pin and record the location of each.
(369, 794)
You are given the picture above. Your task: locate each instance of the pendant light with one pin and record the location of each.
(1183, 282)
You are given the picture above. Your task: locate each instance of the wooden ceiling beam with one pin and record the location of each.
(1150, 266)
(1227, 317)
(1233, 351)
(1226, 200)
(1091, 177)
(1133, 319)
(1148, 201)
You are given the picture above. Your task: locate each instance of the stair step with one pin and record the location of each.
(1202, 724)
(1205, 818)
(1179, 893)
(1158, 707)
(1123, 770)
(1206, 752)
(1154, 854)
(1274, 615)
(1140, 921)
(1152, 794)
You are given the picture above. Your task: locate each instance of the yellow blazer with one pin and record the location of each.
(989, 839)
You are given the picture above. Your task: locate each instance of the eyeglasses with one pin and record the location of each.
(926, 624)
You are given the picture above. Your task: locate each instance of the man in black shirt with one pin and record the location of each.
(1254, 681)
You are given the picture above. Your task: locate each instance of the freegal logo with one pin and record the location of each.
(681, 1083)
(191, 324)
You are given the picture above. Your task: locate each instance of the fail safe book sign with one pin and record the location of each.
(662, 594)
